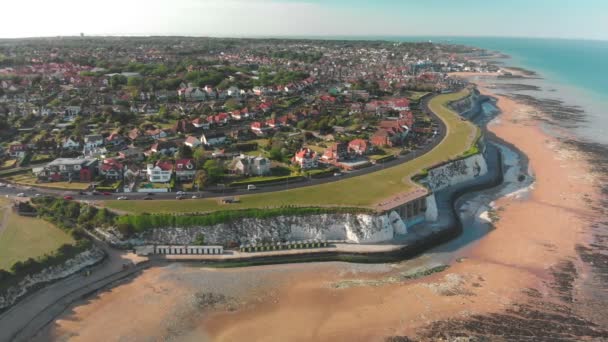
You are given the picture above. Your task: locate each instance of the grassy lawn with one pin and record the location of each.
(362, 191)
(8, 163)
(26, 237)
(30, 180)
(416, 95)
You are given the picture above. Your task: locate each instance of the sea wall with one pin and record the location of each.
(456, 172)
(87, 258)
(356, 228)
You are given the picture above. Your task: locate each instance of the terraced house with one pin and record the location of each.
(68, 169)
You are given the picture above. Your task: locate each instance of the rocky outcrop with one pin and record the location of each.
(71, 266)
(457, 172)
(357, 228)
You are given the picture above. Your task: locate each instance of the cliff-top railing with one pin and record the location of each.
(364, 191)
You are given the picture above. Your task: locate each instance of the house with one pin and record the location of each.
(381, 138)
(185, 170)
(200, 123)
(183, 126)
(259, 128)
(93, 140)
(115, 140)
(192, 142)
(165, 147)
(305, 158)
(251, 166)
(70, 143)
(159, 173)
(358, 147)
(17, 150)
(68, 169)
(156, 133)
(192, 94)
(336, 152)
(111, 169)
(132, 154)
(213, 138)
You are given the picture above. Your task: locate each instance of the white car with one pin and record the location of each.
(122, 198)
(180, 193)
(194, 197)
(21, 194)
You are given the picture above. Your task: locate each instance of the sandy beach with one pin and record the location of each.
(512, 266)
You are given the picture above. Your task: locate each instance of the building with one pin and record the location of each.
(358, 147)
(192, 142)
(251, 166)
(179, 250)
(111, 169)
(165, 147)
(17, 150)
(70, 143)
(159, 173)
(185, 170)
(93, 140)
(68, 169)
(336, 152)
(192, 94)
(305, 158)
(213, 138)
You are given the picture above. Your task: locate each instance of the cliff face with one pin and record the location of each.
(457, 172)
(358, 228)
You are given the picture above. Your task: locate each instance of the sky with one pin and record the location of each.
(586, 19)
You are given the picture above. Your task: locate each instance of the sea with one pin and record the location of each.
(573, 72)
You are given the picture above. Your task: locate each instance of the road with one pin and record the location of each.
(31, 314)
(228, 191)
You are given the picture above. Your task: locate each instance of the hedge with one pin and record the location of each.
(147, 221)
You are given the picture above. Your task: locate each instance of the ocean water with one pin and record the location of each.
(572, 71)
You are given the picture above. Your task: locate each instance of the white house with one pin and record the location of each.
(159, 173)
(70, 144)
(252, 166)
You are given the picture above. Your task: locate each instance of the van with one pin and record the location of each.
(251, 187)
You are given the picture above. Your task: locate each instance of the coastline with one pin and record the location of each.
(533, 236)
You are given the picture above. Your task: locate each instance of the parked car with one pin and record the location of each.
(21, 194)
(180, 197)
(95, 193)
(105, 193)
(251, 187)
(180, 193)
(337, 174)
(150, 194)
(68, 198)
(147, 198)
(122, 198)
(194, 197)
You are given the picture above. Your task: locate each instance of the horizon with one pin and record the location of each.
(558, 19)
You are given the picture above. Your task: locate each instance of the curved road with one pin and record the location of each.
(218, 192)
(32, 313)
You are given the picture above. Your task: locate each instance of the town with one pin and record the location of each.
(120, 115)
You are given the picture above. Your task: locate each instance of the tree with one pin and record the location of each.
(185, 151)
(214, 170)
(276, 154)
(201, 178)
(199, 156)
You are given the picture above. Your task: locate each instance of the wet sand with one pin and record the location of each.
(526, 260)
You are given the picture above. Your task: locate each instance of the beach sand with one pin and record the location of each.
(302, 302)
